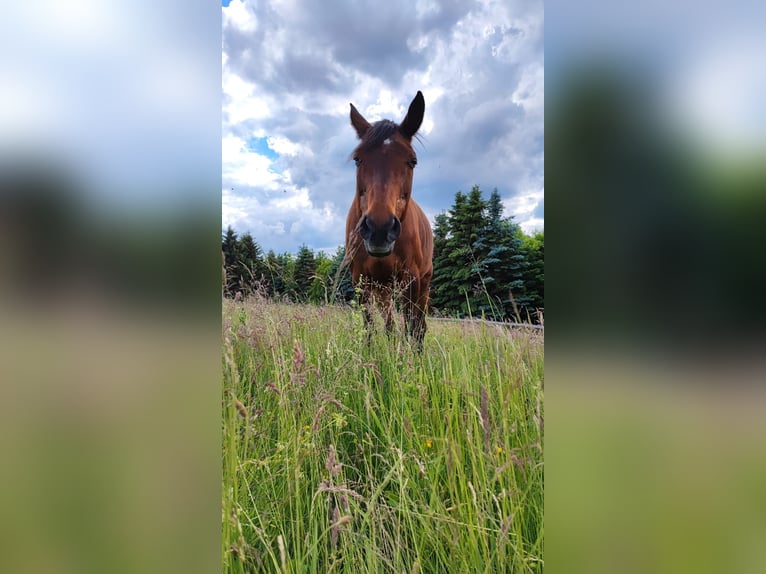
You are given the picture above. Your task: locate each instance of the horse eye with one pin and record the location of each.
(412, 162)
(357, 161)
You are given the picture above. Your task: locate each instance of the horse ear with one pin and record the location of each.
(360, 124)
(411, 122)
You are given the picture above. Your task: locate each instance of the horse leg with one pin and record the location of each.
(413, 314)
(417, 306)
(366, 302)
(374, 298)
(418, 326)
(388, 312)
(368, 324)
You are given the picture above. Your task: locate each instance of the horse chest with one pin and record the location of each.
(384, 270)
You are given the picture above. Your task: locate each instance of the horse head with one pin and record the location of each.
(385, 160)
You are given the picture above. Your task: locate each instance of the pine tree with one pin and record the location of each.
(319, 291)
(305, 270)
(459, 254)
(475, 215)
(479, 261)
(229, 247)
(286, 268)
(467, 252)
(339, 277)
(275, 284)
(504, 262)
(441, 296)
(250, 263)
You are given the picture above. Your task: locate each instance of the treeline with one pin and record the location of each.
(305, 276)
(484, 266)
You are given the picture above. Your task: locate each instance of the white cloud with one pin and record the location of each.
(284, 146)
(522, 205)
(275, 221)
(242, 167)
(243, 104)
(530, 91)
(385, 107)
(426, 8)
(239, 15)
(531, 225)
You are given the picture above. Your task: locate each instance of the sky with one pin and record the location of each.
(126, 96)
(702, 61)
(291, 68)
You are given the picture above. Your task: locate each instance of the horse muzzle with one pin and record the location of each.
(379, 250)
(379, 240)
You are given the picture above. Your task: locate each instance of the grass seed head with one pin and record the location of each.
(282, 555)
(331, 465)
(317, 419)
(334, 528)
(240, 408)
(299, 357)
(485, 416)
(272, 386)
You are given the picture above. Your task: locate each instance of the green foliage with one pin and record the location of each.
(286, 270)
(274, 276)
(533, 249)
(251, 265)
(339, 456)
(305, 270)
(307, 276)
(480, 266)
(230, 257)
(245, 270)
(318, 292)
(341, 287)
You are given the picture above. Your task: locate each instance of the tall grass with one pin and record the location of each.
(344, 456)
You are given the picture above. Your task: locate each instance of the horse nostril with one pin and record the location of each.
(366, 227)
(395, 229)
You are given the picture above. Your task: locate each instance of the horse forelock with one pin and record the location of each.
(378, 133)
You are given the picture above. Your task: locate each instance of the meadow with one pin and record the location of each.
(341, 455)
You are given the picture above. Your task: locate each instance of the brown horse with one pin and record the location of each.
(389, 241)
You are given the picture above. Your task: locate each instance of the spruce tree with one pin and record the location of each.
(286, 270)
(250, 263)
(275, 284)
(319, 291)
(454, 288)
(467, 252)
(441, 294)
(230, 256)
(339, 276)
(458, 255)
(504, 262)
(305, 270)
(479, 261)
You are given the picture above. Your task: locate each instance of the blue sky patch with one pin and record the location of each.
(261, 147)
